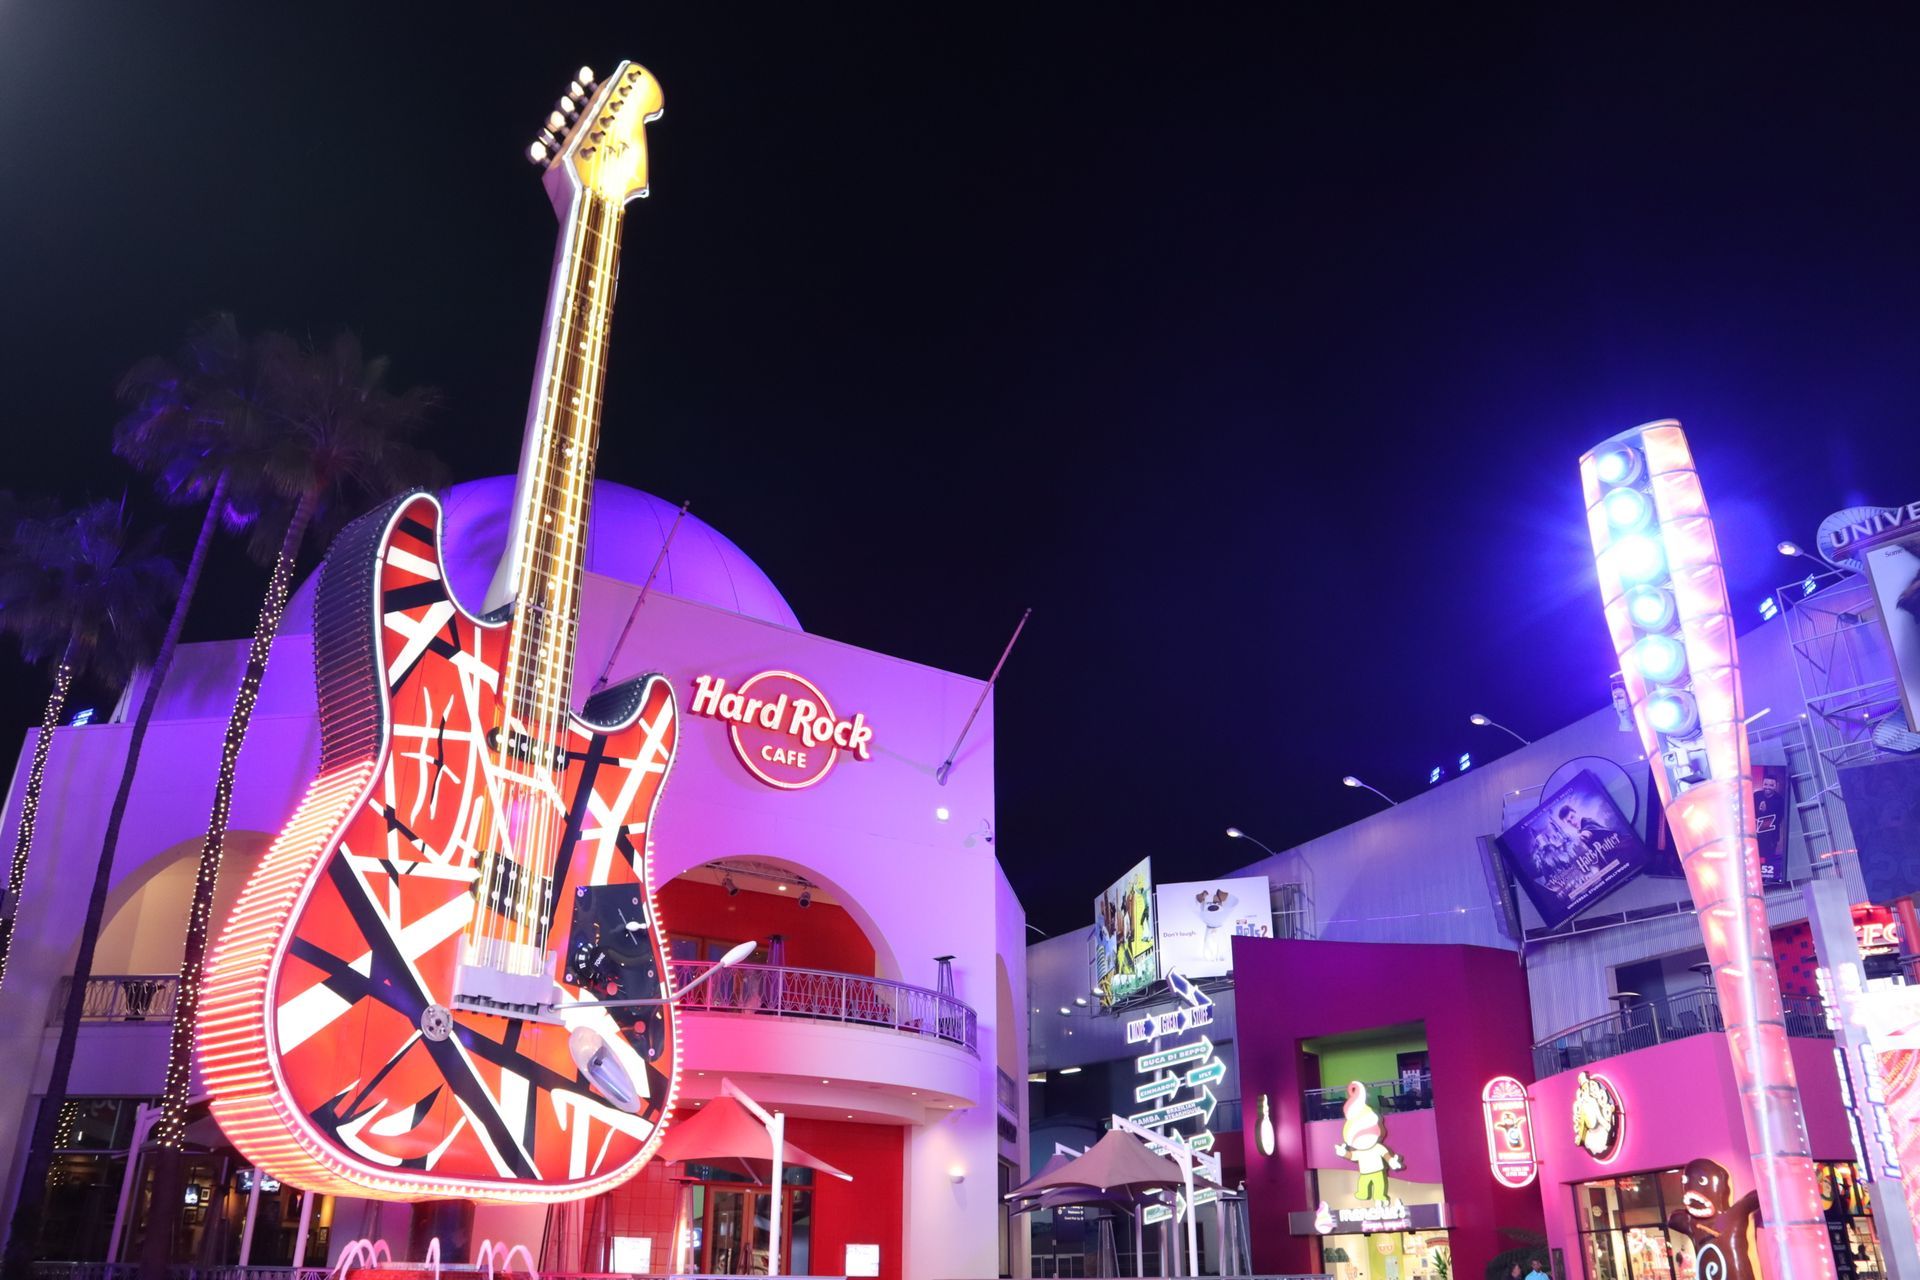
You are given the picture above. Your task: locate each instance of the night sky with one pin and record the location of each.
(1255, 355)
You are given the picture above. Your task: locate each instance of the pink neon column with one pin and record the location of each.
(1712, 824)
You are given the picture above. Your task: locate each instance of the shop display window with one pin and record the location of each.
(92, 1138)
(1624, 1233)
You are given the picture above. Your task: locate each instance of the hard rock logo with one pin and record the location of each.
(782, 727)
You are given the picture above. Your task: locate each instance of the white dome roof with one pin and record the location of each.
(624, 533)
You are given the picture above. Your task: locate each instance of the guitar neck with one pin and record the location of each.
(546, 553)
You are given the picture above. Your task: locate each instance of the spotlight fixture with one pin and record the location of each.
(1065, 1010)
(1651, 608)
(726, 882)
(1627, 508)
(1622, 466)
(1673, 713)
(1660, 658)
(1639, 557)
(806, 898)
(941, 814)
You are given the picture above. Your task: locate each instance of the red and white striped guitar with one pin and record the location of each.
(411, 998)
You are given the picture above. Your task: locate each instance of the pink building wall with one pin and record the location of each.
(1677, 1104)
(1473, 1001)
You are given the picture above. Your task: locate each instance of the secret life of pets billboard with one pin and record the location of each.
(1573, 850)
(1124, 961)
(1199, 919)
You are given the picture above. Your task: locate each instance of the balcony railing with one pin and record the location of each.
(834, 997)
(1690, 1013)
(1411, 1092)
(121, 997)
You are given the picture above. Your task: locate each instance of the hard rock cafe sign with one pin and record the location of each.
(782, 727)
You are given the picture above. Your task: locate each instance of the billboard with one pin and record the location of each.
(1894, 570)
(1200, 918)
(1123, 937)
(1772, 812)
(1573, 850)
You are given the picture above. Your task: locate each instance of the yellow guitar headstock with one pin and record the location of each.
(597, 132)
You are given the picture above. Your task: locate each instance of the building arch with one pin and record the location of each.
(141, 932)
(764, 874)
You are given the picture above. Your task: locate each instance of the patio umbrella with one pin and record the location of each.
(722, 1132)
(1118, 1162)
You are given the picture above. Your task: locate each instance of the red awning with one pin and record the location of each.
(724, 1132)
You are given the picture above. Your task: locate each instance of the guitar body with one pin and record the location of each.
(330, 1037)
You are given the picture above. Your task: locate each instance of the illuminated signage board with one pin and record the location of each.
(782, 726)
(1510, 1150)
(1597, 1117)
(1366, 1219)
(1190, 1068)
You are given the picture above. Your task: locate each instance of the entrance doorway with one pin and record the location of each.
(732, 1224)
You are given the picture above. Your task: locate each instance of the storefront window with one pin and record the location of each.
(1624, 1233)
(91, 1139)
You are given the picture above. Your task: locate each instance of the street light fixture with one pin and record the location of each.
(1485, 723)
(1352, 781)
(1235, 833)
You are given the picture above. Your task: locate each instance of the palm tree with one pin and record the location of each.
(331, 438)
(80, 591)
(183, 420)
(80, 586)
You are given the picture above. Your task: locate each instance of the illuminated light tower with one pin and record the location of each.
(1666, 604)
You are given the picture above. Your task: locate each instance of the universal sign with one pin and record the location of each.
(782, 727)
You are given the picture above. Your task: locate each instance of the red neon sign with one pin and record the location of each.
(782, 727)
(1510, 1150)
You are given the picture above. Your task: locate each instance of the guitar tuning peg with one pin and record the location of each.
(575, 91)
(537, 151)
(556, 122)
(552, 143)
(585, 76)
(569, 106)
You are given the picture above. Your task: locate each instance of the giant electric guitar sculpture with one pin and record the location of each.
(406, 1001)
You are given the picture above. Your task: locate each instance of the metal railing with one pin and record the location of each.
(121, 997)
(1690, 1013)
(836, 997)
(178, 1271)
(1411, 1092)
(1007, 1091)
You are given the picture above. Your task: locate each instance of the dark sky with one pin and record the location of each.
(1255, 353)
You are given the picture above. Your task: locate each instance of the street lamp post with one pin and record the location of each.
(1352, 781)
(1486, 723)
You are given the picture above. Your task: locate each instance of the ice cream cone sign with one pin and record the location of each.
(1363, 1141)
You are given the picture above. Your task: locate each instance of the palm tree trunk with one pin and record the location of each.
(23, 1236)
(169, 1131)
(30, 802)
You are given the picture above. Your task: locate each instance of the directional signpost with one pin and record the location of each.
(1178, 1082)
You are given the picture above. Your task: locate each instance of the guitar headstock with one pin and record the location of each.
(597, 132)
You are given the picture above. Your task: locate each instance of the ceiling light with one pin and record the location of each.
(942, 814)
(1069, 1071)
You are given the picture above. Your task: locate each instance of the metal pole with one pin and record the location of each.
(306, 1226)
(1193, 1215)
(641, 599)
(253, 1211)
(1139, 1241)
(946, 766)
(778, 1131)
(143, 1118)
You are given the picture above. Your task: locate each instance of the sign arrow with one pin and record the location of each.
(1156, 1089)
(1196, 1051)
(1187, 991)
(1155, 1213)
(1207, 1073)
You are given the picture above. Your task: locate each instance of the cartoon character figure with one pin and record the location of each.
(1716, 1223)
(1362, 1140)
(1596, 1116)
(1214, 909)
